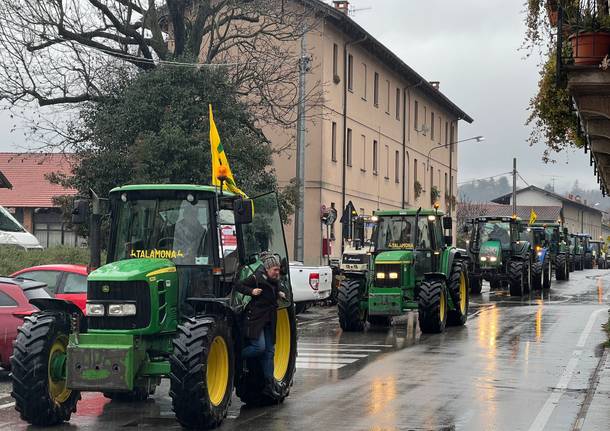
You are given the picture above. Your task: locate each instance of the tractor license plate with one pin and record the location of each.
(385, 304)
(100, 369)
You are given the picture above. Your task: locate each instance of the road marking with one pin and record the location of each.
(6, 406)
(551, 403)
(330, 355)
(326, 360)
(346, 345)
(341, 349)
(320, 366)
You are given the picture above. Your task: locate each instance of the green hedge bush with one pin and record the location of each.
(12, 260)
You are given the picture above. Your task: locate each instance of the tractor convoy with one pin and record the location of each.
(164, 306)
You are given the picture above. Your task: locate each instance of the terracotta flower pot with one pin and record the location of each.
(590, 48)
(553, 17)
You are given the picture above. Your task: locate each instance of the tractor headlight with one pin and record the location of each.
(95, 309)
(539, 253)
(381, 275)
(393, 276)
(483, 259)
(121, 310)
(493, 259)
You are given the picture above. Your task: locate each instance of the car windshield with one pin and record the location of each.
(495, 231)
(395, 233)
(8, 222)
(163, 228)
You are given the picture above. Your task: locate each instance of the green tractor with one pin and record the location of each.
(164, 306)
(551, 254)
(414, 267)
(499, 255)
(581, 252)
(598, 252)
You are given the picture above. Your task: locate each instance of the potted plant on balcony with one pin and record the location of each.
(435, 194)
(418, 189)
(591, 37)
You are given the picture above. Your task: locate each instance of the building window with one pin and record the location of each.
(452, 138)
(432, 126)
(446, 133)
(334, 142)
(397, 167)
(387, 109)
(363, 153)
(350, 73)
(387, 162)
(376, 90)
(398, 104)
(335, 62)
(415, 179)
(425, 120)
(375, 156)
(364, 81)
(446, 186)
(349, 147)
(416, 116)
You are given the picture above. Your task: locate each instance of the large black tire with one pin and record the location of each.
(547, 275)
(40, 399)
(601, 263)
(476, 285)
(251, 384)
(561, 267)
(571, 265)
(432, 306)
(588, 261)
(138, 394)
(351, 316)
(517, 275)
(460, 294)
(580, 263)
(536, 282)
(202, 369)
(380, 321)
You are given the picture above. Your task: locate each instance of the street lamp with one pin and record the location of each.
(475, 138)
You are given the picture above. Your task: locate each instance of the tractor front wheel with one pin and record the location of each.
(561, 267)
(38, 369)
(432, 306)
(458, 287)
(202, 368)
(351, 316)
(546, 276)
(517, 276)
(536, 275)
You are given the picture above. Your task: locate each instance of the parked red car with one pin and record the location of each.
(68, 282)
(15, 294)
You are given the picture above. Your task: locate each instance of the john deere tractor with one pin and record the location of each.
(598, 251)
(581, 252)
(499, 254)
(414, 267)
(164, 306)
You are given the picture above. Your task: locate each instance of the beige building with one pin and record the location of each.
(381, 138)
(577, 215)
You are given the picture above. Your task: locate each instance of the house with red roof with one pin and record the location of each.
(30, 197)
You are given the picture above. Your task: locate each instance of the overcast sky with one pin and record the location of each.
(472, 48)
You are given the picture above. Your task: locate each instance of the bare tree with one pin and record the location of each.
(67, 52)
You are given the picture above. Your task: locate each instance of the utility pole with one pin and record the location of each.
(299, 228)
(515, 187)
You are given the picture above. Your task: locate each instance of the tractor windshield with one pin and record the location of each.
(492, 230)
(163, 228)
(395, 233)
(538, 237)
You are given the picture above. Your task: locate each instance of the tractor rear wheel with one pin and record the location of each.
(561, 267)
(476, 285)
(588, 261)
(536, 275)
(516, 276)
(202, 368)
(351, 316)
(251, 384)
(458, 288)
(432, 306)
(38, 369)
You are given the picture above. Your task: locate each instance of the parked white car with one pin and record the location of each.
(15, 235)
(310, 284)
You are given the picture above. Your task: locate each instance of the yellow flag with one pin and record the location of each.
(220, 164)
(533, 216)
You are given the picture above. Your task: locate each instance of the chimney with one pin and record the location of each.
(342, 5)
(436, 84)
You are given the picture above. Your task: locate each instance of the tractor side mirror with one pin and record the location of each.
(448, 223)
(243, 210)
(80, 212)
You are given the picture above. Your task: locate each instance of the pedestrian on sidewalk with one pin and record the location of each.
(261, 316)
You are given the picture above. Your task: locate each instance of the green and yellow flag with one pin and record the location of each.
(533, 216)
(220, 164)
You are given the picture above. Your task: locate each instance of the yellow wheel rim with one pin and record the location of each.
(58, 390)
(283, 343)
(463, 294)
(217, 371)
(441, 313)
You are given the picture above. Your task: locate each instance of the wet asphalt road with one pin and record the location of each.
(518, 364)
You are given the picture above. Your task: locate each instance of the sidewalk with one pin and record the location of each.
(598, 413)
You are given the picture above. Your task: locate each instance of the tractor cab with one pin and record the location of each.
(357, 251)
(493, 239)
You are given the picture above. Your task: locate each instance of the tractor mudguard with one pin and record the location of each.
(54, 304)
(435, 276)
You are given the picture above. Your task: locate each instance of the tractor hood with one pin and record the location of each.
(132, 270)
(394, 256)
(491, 253)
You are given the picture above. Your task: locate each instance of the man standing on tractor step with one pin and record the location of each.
(261, 316)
